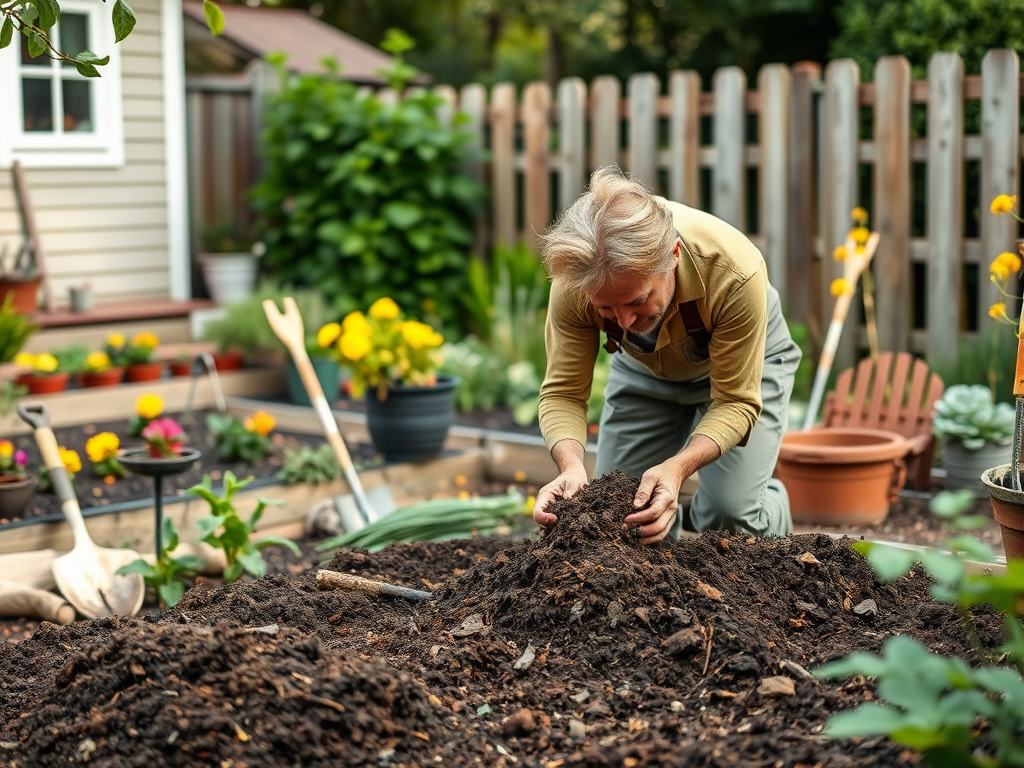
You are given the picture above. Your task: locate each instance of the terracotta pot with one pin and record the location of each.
(412, 423)
(107, 378)
(144, 372)
(15, 492)
(840, 475)
(228, 361)
(44, 383)
(180, 367)
(1007, 508)
(24, 289)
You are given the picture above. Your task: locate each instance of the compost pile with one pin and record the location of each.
(580, 648)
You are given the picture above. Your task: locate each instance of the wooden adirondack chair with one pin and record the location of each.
(897, 394)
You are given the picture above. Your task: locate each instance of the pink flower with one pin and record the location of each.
(164, 438)
(20, 459)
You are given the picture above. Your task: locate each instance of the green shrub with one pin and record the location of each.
(234, 441)
(309, 465)
(366, 199)
(931, 703)
(15, 330)
(967, 413)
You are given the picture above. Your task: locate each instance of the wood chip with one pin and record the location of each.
(471, 626)
(526, 659)
(777, 686)
(808, 559)
(708, 591)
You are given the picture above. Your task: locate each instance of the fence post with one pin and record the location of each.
(684, 138)
(945, 205)
(605, 117)
(801, 191)
(1000, 161)
(537, 177)
(643, 128)
(572, 149)
(774, 85)
(729, 199)
(473, 104)
(503, 172)
(839, 128)
(891, 216)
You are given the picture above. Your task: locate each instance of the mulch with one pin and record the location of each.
(579, 647)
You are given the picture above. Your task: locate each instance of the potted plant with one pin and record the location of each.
(136, 355)
(49, 372)
(320, 349)
(974, 433)
(395, 360)
(19, 280)
(16, 485)
(15, 329)
(100, 371)
(229, 261)
(181, 364)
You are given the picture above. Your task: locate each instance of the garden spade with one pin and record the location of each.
(1018, 394)
(366, 507)
(85, 575)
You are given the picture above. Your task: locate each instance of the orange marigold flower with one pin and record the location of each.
(261, 423)
(840, 286)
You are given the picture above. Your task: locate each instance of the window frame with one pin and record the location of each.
(101, 148)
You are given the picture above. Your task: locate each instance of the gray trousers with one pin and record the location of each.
(647, 420)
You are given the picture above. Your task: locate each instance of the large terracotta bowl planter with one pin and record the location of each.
(840, 475)
(1007, 508)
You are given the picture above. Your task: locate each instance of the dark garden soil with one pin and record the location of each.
(577, 648)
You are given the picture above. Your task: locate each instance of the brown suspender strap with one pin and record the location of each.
(694, 325)
(691, 319)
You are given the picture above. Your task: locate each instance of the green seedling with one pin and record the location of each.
(937, 705)
(225, 530)
(309, 465)
(234, 442)
(167, 576)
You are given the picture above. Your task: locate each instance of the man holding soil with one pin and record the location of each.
(702, 366)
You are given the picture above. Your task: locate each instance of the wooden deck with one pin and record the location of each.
(122, 311)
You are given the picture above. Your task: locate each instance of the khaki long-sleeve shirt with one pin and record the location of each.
(725, 273)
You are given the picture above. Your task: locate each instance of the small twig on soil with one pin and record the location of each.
(334, 580)
(707, 658)
(313, 698)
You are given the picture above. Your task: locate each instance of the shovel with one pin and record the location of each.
(86, 574)
(1018, 422)
(359, 508)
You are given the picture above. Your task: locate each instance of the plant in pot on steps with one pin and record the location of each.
(16, 484)
(99, 371)
(18, 279)
(394, 362)
(49, 372)
(135, 355)
(230, 260)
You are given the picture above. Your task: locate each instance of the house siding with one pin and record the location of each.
(108, 227)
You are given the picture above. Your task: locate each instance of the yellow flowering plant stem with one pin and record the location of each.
(854, 265)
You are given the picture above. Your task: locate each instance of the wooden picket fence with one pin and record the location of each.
(785, 161)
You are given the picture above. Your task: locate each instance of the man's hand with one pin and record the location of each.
(657, 499)
(564, 486)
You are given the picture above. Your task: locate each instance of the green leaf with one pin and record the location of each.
(401, 214)
(942, 566)
(139, 566)
(88, 57)
(253, 562)
(214, 17)
(36, 44)
(948, 504)
(171, 593)
(123, 19)
(190, 562)
(268, 541)
(233, 572)
(49, 12)
(866, 720)
(86, 70)
(889, 562)
(6, 32)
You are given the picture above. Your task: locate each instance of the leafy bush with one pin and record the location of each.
(10, 393)
(225, 530)
(309, 465)
(363, 198)
(235, 440)
(967, 413)
(931, 703)
(15, 330)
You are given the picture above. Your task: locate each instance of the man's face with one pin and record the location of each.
(637, 303)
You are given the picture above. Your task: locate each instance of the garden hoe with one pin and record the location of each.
(359, 508)
(86, 574)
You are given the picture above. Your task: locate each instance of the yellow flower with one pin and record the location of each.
(354, 346)
(261, 423)
(1004, 204)
(149, 406)
(327, 335)
(102, 446)
(387, 357)
(1010, 261)
(840, 286)
(24, 358)
(997, 310)
(115, 340)
(859, 216)
(356, 322)
(146, 339)
(6, 448)
(860, 235)
(839, 254)
(45, 363)
(72, 463)
(418, 335)
(97, 361)
(384, 309)
(999, 268)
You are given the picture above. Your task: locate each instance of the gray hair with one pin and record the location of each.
(614, 227)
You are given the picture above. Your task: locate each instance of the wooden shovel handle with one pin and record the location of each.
(1018, 379)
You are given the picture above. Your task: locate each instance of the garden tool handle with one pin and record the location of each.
(34, 414)
(336, 580)
(1018, 379)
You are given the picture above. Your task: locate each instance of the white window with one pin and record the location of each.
(57, 118)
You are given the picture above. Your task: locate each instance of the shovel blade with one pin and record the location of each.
(380, 502)
(86, 578)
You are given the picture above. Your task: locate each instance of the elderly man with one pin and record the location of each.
(702, 361)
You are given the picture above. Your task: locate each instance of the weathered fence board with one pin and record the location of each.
(572, 126)
(729, 200)
(774, 84)
(684, 138)
(503, 175)
(643, 128)
(537, 181)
